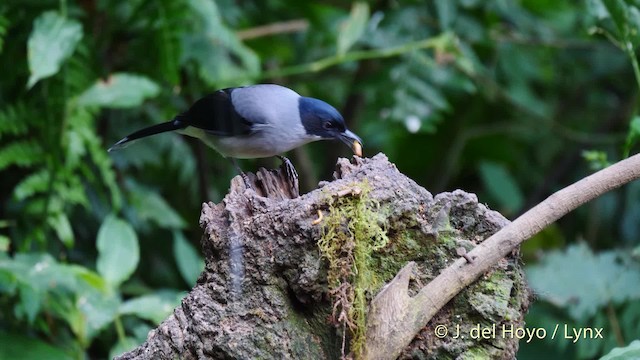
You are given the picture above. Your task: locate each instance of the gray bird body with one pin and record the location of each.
(254, 122)
(276, 125)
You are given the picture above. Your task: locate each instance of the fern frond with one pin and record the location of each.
(23, 153)
(14, 120)
(79, 74)
(83, 141)
(33, 184)
(418, 96)
(171, 14)
(70, 189)
(105, 167)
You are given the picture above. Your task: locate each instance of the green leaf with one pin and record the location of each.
(215, 47)
(35, 183)
(52, 41)
(188, 259)
(633, 135)
(583, 282)
(447, 13)
(501, 186)
(151, 206)
(5, 243)
(60, 223)
(97, 310)
(122, 346)
(14, 346)
(617, 9)
(14, 119)
(353, 28)
(597, 9)
(30, 301)
(89, 277)
(8, 282)
(120, 90)
(597, 159)
(118, 251)
(154, 307)
(629, 352)
(22, 153)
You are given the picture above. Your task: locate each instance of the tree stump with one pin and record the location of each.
(291, 277)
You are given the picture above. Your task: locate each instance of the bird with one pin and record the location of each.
(255, 121)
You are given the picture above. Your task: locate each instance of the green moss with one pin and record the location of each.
(351, 234)
(410, 244)
(447, 239)
(475, 353)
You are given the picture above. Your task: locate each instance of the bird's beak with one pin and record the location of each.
(353, 141)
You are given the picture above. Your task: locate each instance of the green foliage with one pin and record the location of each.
(22, 154)
(189, 262)
(501, 185)
(633, 135)
(119, 91)
(631, 351)
(153, 307)
(214, 46)
(14, 346)
(118, 251)
(583, 282)
(597, 159)
(586, 286)
(85, 300)
(52, 41)
(353, 28)
(13, 120)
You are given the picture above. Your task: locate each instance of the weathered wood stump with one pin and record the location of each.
(269, 292)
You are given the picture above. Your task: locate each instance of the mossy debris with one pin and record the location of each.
(352, 232)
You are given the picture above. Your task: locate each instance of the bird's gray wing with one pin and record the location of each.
(216, 115)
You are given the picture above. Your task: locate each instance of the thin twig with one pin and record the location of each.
(273, 29)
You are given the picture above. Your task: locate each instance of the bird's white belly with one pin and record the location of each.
(257, 145)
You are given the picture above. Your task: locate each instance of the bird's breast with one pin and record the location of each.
(265, 142)
(255, 145)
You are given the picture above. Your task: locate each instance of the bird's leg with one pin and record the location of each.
(244, 176)
(289, 169)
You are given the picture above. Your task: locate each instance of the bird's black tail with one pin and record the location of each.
(174, 124)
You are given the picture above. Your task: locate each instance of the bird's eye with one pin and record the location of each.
(327, 125)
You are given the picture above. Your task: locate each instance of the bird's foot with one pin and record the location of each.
(245, 178)
(291, 172)
(247, 182)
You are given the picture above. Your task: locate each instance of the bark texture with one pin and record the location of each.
(265, 293)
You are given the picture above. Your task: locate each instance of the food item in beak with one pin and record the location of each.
(357, 148)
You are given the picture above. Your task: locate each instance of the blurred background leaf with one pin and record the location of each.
(118, 252)
(190, 263)
(626, 353)
(353, 28)
(583, 282)
(53, 40)
(119, 91)
(14, 346)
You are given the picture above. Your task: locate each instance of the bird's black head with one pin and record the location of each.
(323, 120)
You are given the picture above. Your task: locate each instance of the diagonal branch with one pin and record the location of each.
(395, 318)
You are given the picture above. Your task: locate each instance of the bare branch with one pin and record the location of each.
(273, 29)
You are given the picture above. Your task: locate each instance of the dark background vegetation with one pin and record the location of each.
(511, 100)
